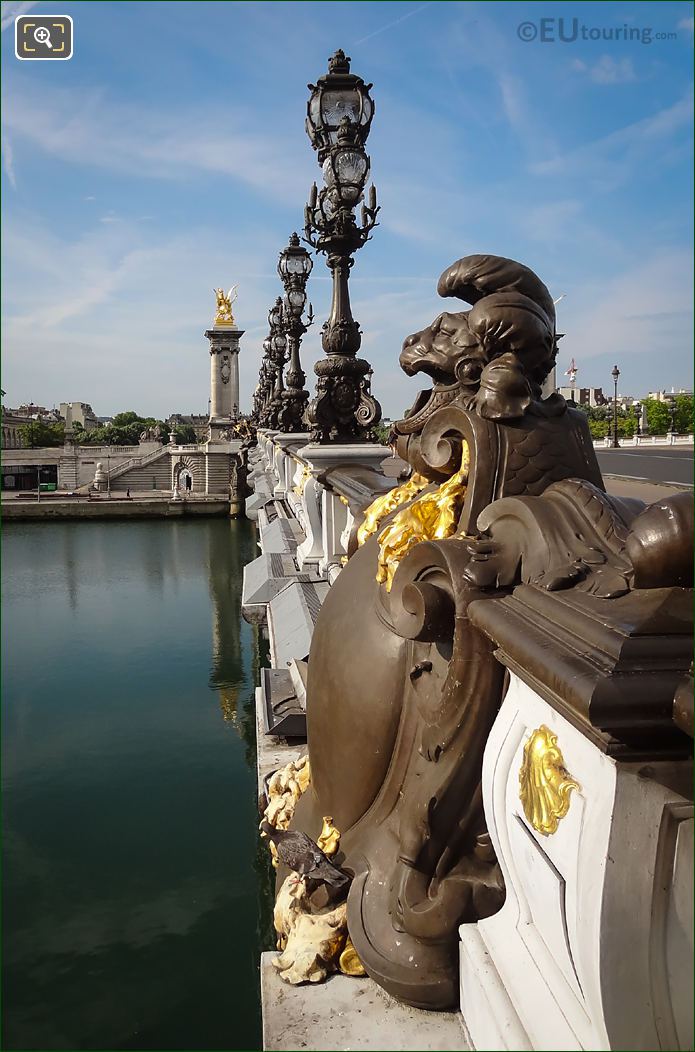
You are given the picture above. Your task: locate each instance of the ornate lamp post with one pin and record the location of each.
(278, 347)
(266, 383)
(339, 116)
(615, 373)
(294, 268)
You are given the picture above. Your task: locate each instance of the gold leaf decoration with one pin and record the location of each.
(349, 963)
(304, 478)
(545, 784)
(433, 517)
(388, 502)
(329, 838)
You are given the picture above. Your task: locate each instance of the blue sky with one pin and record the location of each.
(169, 156)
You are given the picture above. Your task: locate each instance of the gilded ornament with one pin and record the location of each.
(388, 502)
(311, 939)
(329, 839)
(224, 317)
(433, 517)
(349, 963)
(306, 475)
(285, 787)
(545, 783)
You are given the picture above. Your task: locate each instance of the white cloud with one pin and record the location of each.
(8, 161)
(614, 158)
(607, 70)
(88, 128)
(11, 11)
(644, 310)
(120, 313)
(687, 23)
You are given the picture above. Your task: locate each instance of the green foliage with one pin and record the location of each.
(600, 419)
(684, 414)
(130, 417)
(37, 434)
(598, 428)
(381, 432)
(185, 434)
(658, 417)
(124, 430)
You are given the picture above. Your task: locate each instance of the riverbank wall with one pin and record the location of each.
(154, 508)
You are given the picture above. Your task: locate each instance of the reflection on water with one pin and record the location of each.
(131, 862)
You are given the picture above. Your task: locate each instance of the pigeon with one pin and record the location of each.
(301, 854)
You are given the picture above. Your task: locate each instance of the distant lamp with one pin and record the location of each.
(294, 267)
(615, 373)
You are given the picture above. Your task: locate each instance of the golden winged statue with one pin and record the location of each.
(225, 300)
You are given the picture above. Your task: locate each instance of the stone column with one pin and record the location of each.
(224, 377)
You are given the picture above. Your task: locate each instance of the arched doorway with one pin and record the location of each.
(186, 477)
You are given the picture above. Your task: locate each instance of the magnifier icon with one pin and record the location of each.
(42, 36)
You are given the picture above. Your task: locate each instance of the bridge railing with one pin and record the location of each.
(669, 439)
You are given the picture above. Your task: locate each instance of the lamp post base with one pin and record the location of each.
(290, 415)
(344, 409)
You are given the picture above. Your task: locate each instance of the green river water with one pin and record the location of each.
(135, 892)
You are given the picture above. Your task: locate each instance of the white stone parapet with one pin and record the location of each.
(305, 499)
(593, 948)
(670, 439)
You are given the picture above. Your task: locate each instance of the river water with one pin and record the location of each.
(132, 873)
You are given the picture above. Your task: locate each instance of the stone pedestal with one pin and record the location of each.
(593, 947)
(224, 378)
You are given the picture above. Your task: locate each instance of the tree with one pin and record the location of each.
(658, 416)
(38, 434)
(600, 418)
(185, 434)
(684, 414)
(124, 430)
(124, 419)
(382, 432)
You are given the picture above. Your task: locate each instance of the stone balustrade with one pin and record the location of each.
(307, 500)
(670, 439)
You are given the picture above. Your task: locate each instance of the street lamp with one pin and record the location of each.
(637, 406)
(294, 268)
(339, 116)
(278, 346)
(267, 383)
(615, 373)
(672, 410)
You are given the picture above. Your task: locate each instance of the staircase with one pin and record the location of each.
(149, 472)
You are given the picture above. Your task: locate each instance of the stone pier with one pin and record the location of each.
(224, 377)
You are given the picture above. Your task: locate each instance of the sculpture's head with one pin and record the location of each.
(493, 358)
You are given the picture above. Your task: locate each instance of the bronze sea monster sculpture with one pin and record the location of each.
(403, 688)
